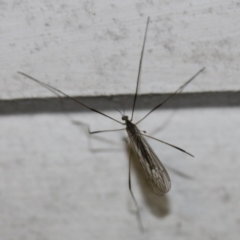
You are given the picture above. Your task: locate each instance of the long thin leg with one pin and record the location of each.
(130, 189)
(111, 130)
(140, 68)
(178, 148)
(87, 130)
(58, 92)
(171, 95)
(93, 132)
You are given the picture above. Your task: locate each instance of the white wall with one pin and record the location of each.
(53, 182)
(83, 46)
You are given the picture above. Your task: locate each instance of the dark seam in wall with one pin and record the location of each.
(104, 103)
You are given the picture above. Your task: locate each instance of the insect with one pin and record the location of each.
(154, 172)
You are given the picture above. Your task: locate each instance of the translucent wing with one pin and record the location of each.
(154, 171)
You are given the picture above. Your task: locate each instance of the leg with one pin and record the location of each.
(178, 148)
(94, 132)
(130, 189)
(88, 132)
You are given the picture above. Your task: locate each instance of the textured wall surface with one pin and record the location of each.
(57, 182)
(83, 46)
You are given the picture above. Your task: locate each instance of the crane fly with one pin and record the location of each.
(154, 172)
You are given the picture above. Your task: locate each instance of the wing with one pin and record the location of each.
(155, 173)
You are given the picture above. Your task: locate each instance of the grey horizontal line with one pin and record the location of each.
(59, 105)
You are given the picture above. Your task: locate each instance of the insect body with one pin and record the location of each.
(154, 171)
